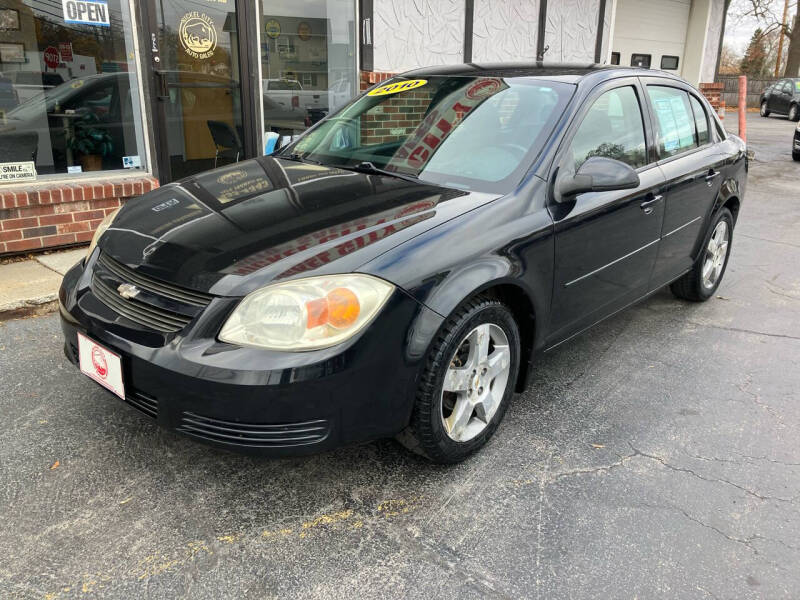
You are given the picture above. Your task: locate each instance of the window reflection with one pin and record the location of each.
(307, 61)
(66, 90)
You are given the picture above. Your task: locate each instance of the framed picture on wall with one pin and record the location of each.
(12, 53)
(9, 19)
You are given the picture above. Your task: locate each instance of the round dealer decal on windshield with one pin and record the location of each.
(197, 34)
(399, 86)
(99, 362)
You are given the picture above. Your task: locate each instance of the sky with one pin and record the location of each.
(740, 27)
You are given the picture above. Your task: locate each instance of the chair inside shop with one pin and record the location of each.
(227, 142)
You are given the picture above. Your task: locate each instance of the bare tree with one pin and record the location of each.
(770, 13)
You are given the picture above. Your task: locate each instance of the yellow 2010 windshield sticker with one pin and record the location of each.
(397, 86)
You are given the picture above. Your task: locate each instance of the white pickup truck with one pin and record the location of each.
(288, 93)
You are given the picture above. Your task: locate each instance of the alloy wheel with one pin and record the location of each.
(475, 382)
(763, 109)
(716, 252)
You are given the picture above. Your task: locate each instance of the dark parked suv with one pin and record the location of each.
(399, 268)
(783, 98)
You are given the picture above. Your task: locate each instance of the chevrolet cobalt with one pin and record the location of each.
(397, 270)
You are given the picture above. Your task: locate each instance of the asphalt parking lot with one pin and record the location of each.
(656, 456)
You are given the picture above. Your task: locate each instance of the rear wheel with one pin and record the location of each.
(764, 109)
(794, 112)
(699, 284)
(796, 155)
(467, 382)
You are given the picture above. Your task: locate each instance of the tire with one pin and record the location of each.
(450, 355)
(694, 286)
(796, 155)
(764, 109)
(794, 113)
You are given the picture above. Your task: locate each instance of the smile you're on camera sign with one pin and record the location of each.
(86, 12)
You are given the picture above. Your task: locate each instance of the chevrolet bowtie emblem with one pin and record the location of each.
(128, 290)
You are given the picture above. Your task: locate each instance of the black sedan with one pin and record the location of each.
(398, 269)
(783, 98)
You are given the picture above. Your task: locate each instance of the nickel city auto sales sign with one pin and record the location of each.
(86, 12)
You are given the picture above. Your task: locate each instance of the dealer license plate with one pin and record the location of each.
(102, 365)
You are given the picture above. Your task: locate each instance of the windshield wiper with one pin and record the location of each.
(295, 156)
(369, 167)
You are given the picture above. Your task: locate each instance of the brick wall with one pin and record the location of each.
(62, 214)
(713, 93)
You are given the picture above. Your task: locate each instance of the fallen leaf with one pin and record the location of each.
(128, 499)
(598, 446)
(55, 465)
(723, 298)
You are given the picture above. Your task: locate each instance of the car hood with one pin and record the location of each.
(234, 229)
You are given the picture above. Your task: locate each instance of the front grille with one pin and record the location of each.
(160, 288)
(138, 312)
(254, 434)
(144, 403)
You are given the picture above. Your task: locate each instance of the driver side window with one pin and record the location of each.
(613, 128)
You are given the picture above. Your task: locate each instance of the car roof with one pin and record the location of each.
(571, 73)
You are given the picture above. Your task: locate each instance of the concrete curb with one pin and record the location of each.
(31, 307)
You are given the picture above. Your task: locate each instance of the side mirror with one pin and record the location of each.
(598, 174)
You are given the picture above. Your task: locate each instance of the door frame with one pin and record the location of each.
(247, 24)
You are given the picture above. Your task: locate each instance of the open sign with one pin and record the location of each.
(86, 12)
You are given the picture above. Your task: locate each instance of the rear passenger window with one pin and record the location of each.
(700, 121)
(675, 127)
(612, 128)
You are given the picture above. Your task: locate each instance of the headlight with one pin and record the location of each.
(101, 229)
(306, 314)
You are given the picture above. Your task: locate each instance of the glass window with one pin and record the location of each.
(463, 132)
(641, 60)
(669, 63)
(787, 87)
(674, 120)
(612, 128)
(308, 65)
(615, 58)
(700, 121)
(68, 90)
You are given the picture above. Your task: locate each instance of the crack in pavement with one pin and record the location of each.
(760, 239)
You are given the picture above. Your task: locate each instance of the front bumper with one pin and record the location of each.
(252, 400)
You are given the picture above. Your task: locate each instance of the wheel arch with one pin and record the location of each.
(522, 301)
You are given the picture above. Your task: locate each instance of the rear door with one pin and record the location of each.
(692, 164)
(605, 242)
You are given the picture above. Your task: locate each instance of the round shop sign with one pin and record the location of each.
(304, 31)
(51, 57)
(272, 28)
(197, 34)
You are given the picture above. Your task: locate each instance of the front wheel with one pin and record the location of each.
(794, 112)
(467, 382)
(764, 109)
(796, 155)
(699, 284)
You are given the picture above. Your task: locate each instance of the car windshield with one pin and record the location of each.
(475, 133)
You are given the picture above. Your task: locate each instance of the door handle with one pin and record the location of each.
(648, 205)
(711, 175)
(162, 91)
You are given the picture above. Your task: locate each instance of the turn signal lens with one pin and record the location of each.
(306, 314)
(343, 308)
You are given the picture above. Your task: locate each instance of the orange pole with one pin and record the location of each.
(743, 107)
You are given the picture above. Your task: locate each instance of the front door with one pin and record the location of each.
(196, 70)
(606, 242)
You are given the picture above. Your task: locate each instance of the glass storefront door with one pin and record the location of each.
(205, 115)
(195, 57)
